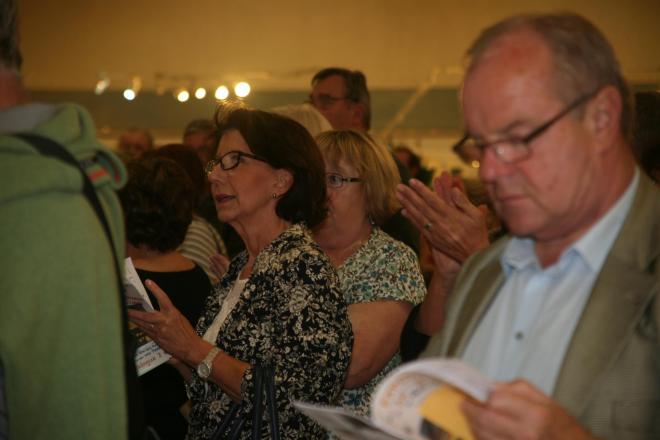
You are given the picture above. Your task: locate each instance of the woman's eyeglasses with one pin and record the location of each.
(337, 180)
(229, 161)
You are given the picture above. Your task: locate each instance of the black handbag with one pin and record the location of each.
(233, 422)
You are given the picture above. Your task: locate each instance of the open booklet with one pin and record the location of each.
(416, 401)
(148, 355)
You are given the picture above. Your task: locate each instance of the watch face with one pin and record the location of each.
(203, 370)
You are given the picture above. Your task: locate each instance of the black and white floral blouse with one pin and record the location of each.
(291, 314)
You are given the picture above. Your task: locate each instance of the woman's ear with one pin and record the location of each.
(284, 181)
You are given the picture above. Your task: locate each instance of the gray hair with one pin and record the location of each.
(199, 126)
(584, 60)
(10, 54)
(305, 115)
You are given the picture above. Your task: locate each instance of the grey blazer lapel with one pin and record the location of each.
(620, 294)
(483, 289)
(609, 320)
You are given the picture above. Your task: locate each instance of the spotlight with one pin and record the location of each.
(182, 95)
(200, 93)
(102, 85)
(129, 94)
(221, 93)
(242, 89)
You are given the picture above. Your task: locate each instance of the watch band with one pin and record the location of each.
(206, 366)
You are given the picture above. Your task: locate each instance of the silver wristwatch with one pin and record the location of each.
(205, 367)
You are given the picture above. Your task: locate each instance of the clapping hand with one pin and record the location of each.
(453, 226)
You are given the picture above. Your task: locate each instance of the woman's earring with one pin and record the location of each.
(275, 195)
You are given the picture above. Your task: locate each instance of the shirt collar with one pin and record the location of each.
(592, 247)
(596, 243)
(519, 254)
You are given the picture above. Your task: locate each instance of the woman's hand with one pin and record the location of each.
(174, 334)
(183, 369)
(445, 216)
(167, 327)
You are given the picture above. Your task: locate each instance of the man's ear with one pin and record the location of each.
(603, 115)
(358, 115)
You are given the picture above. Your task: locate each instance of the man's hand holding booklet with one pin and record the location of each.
(417, 401)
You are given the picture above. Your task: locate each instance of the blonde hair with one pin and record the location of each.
(373, 163)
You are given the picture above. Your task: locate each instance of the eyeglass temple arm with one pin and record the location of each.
(460, 143)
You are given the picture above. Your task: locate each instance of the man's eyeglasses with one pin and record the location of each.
(512, 149)
(337, 180)
(324, 100)
(229, 161)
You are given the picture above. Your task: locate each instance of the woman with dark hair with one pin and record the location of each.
(279, 302)
(158, 205)
(202, 240)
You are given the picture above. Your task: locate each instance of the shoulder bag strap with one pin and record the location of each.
(136, 422)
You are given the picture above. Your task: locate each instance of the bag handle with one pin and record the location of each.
(264, 381)
(272, 403)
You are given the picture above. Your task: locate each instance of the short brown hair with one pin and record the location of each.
(157, 202)
(374, 164)
(584, 60)
(189, 162)
(284, 144)
(356, 88)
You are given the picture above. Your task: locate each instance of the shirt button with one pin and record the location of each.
(519, 335)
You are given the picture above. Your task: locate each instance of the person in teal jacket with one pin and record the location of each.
(61, 351)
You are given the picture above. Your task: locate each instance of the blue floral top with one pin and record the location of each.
(382, 269)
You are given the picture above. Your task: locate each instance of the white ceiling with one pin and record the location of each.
(279, 44)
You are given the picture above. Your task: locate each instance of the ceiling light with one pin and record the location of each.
(102, 85)
(242, 89)
(129, 94)
(182, 95)
(221, 93)
(200, 93)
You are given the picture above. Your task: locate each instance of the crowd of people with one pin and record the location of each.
(289, 247)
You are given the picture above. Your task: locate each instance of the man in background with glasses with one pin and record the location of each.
(564, 312)
(342, 97)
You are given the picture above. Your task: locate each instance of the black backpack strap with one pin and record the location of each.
(4, 427)
(48, 147)
(136, 421)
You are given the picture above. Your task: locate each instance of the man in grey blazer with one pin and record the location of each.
(563, 312)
